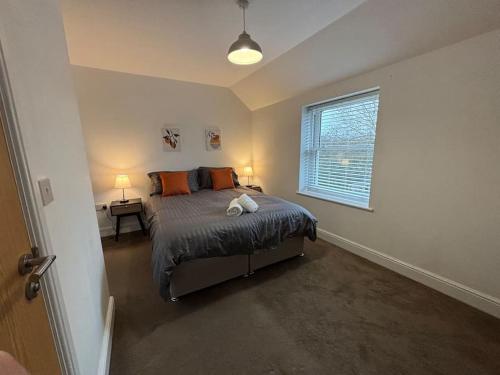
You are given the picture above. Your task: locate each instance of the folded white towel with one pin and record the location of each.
(248, 203)
(234, 208)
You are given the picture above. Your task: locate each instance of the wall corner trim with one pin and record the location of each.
(463, 293)
(107, 340)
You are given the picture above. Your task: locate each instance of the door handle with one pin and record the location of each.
(26, 264)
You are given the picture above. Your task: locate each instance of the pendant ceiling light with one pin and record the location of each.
(244, 51)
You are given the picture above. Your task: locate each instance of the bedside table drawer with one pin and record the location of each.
(126, 209)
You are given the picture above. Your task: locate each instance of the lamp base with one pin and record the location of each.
(124, 201)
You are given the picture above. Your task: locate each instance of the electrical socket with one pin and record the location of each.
(101, 206)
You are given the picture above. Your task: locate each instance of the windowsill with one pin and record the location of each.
(330, 199)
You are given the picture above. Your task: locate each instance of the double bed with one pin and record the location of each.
(196, 245)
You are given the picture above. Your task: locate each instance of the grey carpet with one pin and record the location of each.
(330, 312)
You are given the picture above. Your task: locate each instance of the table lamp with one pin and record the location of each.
(248, 172)
(122, 182)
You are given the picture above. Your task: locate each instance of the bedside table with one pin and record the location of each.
(254, 187)
(132, 208)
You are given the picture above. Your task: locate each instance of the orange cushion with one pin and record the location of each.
(222, 178)
(174, 183)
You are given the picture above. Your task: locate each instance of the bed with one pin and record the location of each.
(195, 245)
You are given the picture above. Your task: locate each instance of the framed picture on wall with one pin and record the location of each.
(213, 139)
(172, 139)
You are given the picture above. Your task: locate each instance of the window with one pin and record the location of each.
(338, 139)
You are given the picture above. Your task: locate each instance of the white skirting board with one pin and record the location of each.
(107, 340)
(481, 301)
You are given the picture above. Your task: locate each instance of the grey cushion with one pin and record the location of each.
(157, 188)
(193, 180)
(205, 180)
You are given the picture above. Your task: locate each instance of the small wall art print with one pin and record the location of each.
(213, 139)
(171, 139)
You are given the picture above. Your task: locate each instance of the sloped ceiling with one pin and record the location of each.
(188, 39)
(377, 33)
(306, 43)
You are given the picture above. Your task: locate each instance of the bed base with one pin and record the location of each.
(202, 273)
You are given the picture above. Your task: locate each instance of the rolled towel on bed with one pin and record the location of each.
(234, 209)
(248, 203)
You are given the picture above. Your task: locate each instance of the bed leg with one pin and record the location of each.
(173, 299)
(302, 254)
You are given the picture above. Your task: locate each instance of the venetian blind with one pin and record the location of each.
(338, 139)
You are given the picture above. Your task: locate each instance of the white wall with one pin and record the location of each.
(122, 116)
(32, 36)
(436, 171)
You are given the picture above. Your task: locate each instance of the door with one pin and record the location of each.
(24, 326)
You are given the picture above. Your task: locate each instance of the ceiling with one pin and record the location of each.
(375, 34)
(188, 39)
(306, 43)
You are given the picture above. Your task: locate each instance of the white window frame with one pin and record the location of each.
(304, 144)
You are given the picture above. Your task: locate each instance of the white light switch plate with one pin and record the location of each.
(45, 191)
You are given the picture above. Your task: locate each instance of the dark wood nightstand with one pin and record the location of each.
(131, 208)
(254, 187)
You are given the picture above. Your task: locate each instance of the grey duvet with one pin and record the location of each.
(187, 227)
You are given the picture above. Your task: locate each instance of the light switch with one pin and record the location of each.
(45, 191)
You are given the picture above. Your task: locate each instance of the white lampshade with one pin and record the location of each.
(122, 182)
(248, 171)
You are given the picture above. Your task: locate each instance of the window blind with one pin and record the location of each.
(337, 144)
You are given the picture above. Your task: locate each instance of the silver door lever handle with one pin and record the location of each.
(26, 264)
(28, 261)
